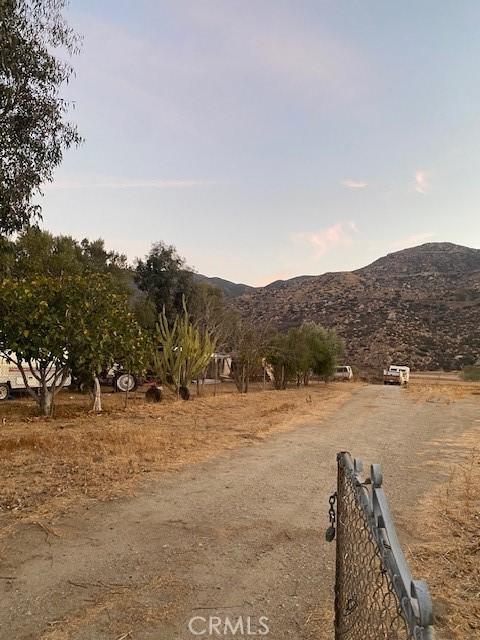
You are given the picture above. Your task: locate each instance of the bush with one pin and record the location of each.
(303, 351)
(471, 373)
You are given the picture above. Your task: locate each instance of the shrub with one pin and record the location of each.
(471, 373)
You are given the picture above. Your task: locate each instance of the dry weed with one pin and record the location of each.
(449, 557)
(47, 464)
(443, 393)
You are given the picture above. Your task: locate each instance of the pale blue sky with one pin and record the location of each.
(273, 138)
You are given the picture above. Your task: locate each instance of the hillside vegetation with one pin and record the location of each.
(420, 306)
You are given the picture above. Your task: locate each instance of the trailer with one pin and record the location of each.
(12, 381)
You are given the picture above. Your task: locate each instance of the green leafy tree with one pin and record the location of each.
(52, 327)
(248, 344)
(166, 279)
(111, 334)
(325, 349)
(182, 351)
(282, 355)
(97, 258)
(35, 252)
(211, 314)
(38, 252)
(34, 319)
(144, 309)
(302, 351)
(33, 130)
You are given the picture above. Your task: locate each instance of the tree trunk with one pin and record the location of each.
(45, 401)
(97, 395)
(240, 377)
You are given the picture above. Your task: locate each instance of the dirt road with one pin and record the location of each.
(241, 534)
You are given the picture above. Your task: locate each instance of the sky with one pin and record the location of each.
(275, 138)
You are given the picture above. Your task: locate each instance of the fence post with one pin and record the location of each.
(339, 581)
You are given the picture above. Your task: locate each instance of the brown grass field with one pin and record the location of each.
(449, 556)
(46, 464)
(442, 392)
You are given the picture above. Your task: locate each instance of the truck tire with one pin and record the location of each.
(125, 382)
(4, 392)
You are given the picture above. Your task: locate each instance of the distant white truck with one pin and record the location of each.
(11, 379)
(396, 374)
(343, 373)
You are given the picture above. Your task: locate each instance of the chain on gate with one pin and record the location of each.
(330, 532)
(375, 596)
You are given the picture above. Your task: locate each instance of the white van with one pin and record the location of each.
(11, 379)
(343, 373)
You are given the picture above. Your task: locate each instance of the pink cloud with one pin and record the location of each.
(422, 184)
(323, 241)
(354, 184)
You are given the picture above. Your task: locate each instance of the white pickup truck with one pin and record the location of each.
(11, 379)
(396, 374)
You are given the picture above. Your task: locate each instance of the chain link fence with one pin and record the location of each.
(375, 596)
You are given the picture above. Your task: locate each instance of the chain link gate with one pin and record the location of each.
(375, 596)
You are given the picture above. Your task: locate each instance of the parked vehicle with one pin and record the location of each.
(119, 379)
(396, 374)
(11, 379)
(115, 377)
(343, 373)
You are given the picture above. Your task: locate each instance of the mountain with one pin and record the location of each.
(281, 284)
(230, 289)
(419, 306)
(233, 289)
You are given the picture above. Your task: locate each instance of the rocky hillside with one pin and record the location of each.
(419, 306)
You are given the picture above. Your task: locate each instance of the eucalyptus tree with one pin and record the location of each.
(35, 44)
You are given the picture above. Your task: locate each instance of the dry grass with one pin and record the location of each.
(443, 393)
(449, 557)
(319, 624)
(45, 465)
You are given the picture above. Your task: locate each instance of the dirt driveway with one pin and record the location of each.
(240, 534)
